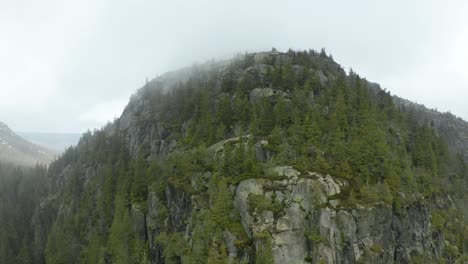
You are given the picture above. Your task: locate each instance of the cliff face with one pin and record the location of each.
(161, 185)
(303, 221)
(311, 225)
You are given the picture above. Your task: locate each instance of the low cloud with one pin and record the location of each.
(103, 112)
(71, 66)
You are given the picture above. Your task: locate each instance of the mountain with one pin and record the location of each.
(16, 149)
(58, 142)
(269, 157)
(452, 129)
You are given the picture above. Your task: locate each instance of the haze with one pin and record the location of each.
(69, 66)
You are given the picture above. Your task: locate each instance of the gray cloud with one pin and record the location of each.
(68, 66)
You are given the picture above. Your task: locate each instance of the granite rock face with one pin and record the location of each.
(309, 229)
(138, 133)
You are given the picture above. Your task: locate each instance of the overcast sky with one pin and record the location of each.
(66, 66)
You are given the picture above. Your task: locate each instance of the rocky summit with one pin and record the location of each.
(269, 157)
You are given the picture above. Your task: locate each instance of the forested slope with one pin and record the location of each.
(266, 158)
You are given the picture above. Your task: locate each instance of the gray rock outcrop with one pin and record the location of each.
(309, 229)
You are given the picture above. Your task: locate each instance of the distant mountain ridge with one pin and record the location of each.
(17, 150)
(55, 141)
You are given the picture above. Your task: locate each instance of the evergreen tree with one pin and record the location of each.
(139, 189)
(288, 77)
(224, 114)
(264, 254)
(120, 232)
(266, 117)
(282, 113)
(242, 110)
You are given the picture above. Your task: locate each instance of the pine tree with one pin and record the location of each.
(120, 232)
(277, 77)
(338, 128)
(264, 254)
(241, 110)
(217, 252)
(266, 117)
(228, 82)
(203, 131)
(282, 113)
(108, 194)
(139, 189)
(222, 204)
(224, 113)
(220, 132)
(311, 130)
(288, 78)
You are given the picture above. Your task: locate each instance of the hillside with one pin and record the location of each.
(268, 157)
(17, 150)
(452, 129)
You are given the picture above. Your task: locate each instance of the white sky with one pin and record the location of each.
(66, 66)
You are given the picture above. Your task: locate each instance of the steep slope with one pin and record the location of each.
(266, 158)
(17, 150)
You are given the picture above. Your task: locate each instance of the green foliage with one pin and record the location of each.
(175, 247)
(375, 194)
(139, 252)
(452, 251)
(218, 252)
(156, 179)
(316, 238)
(63, 245)
(242, 110)
(139, 189)
(265, 116)
(182, 166)
(95, 250)
(106, 202)
(264, 253)
(438, 221)
(261, 203)
(120, 233)
(200, 247)
(224, 115)
(21, 190)
(376, 248)
(240, 163)
(282, 113)
(222, 204)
